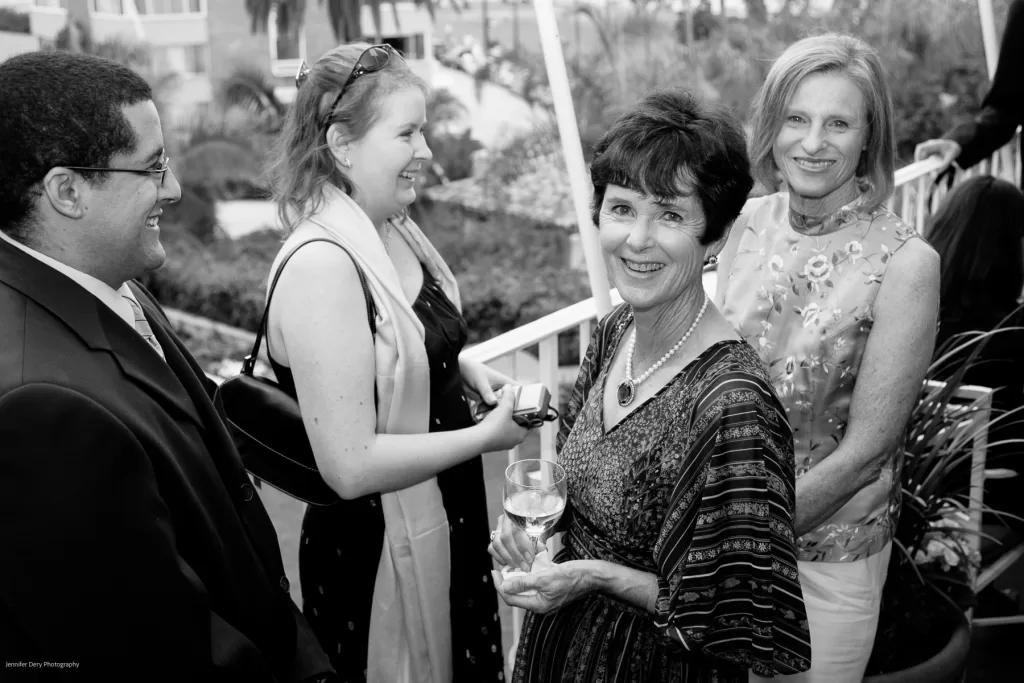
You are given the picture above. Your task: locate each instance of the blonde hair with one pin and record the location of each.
(828, 53)
(302, 160)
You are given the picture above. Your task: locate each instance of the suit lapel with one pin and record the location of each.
(98, 327)
(219, 443)
(175, 384)
(143, 365)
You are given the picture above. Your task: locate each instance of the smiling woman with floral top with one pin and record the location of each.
(840, 299)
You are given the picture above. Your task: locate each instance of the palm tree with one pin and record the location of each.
(76, 36)
(249, 88)
(345, 15)
(612, 36)
(756, 11)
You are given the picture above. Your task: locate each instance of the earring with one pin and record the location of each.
(346, 163)
(711, 260)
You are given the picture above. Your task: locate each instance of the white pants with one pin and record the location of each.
(842, 601)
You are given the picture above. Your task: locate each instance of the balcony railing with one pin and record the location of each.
(913, 200)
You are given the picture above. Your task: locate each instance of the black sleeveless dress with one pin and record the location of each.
(338, 559)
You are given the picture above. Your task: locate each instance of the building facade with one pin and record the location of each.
(201, 42)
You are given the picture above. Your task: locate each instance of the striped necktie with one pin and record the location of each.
(143, 328)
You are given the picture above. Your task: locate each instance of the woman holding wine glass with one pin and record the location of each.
(679, 563)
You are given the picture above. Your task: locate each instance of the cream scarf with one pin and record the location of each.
(410, 626)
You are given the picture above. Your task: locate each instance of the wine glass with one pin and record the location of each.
(535, 493)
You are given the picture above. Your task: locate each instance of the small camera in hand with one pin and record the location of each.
(533, 406)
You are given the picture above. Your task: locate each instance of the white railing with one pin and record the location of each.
(913, 199)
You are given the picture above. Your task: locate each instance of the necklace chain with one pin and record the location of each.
(627, 389)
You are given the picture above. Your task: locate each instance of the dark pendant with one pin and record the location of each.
(626, 392)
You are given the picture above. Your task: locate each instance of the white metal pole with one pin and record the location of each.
(988, 36)
(572, 150)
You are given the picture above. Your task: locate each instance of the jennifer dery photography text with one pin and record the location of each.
(42, 665)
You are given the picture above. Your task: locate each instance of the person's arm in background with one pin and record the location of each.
(1001, 111)
(896, 358)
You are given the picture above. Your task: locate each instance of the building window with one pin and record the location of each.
(287, 43)
(411, 47)
(106, 6)
(187, 60)
(170, 6)
(418, 48)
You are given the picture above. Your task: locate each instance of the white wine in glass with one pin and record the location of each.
(535, 492)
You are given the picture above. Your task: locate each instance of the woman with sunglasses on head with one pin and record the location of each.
(386, 413)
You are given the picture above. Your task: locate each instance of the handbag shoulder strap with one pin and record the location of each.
(249, 363)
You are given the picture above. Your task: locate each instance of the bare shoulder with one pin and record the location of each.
(319, 259)
(914, 262)
(318, 301)
(910, 286)
(323, 268)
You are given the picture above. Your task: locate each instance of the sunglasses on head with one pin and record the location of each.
(373, 58)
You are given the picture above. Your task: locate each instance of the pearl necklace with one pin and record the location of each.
(627, 387)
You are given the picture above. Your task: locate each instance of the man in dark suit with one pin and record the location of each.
(134, 546)
(1002, 111)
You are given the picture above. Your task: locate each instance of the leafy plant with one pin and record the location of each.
(509, 271)
(933, 564)
(12, 21)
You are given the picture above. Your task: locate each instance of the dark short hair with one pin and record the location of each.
(671, 136)
(977, 233)
(59, 108)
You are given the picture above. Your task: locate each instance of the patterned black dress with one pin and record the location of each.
(338, 559)
(696, 486)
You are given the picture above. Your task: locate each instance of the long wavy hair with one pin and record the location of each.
(302, 160)
(978, 232)
(828, 53)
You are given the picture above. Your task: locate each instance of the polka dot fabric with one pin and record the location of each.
(339, 548)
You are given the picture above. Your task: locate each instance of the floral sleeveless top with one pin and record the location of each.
(803, 299)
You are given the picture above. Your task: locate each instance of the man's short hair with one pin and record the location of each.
(59, 109)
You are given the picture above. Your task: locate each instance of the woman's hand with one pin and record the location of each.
(510, 546)
(481, 381)
(557, 586)
(501, 431)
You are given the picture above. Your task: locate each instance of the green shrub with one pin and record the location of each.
(224, 281)
(194, 212)
(454, 154)
(14, 22)
(510, 272)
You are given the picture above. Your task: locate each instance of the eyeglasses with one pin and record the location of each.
(161, 169)
(373, 58)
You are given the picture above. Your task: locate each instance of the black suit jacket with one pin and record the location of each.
(132, 540)
(1003, 107)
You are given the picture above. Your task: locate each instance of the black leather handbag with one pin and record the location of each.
(265, 421)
